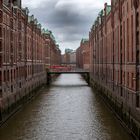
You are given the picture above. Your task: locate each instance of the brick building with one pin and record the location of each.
(73, 58)
(66, 58)
(114, 46)
(52, 51)
(22, 55)
(69, 58)
(83, 55)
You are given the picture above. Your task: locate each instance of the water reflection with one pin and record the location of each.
(67, 111)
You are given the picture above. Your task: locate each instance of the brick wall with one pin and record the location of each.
(114, 44)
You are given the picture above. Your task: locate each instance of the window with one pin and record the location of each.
(123, 11)
(0, 31)
(0, 60)
(137, 38)
(132, 80)
(137, 19)
(14, 74)
(12, 48)
(127, 7)
(12, 89)
(11, 22)
(1, 17)
(132, 39)
(124, 41)
(124, 78)
(0, 45)
(17, 73)
(128, 79)
(11, 76)
(121, 92)
(8, 75)
(131, 4)
(0, 78)
(118, 76)
(20, 85)
(12, 37)
(127, 39)
(137, 101)
(4, 76)
(19, 25)
(0, 93)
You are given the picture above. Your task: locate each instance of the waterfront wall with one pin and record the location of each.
(121, 111)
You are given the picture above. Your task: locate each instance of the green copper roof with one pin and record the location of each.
(67, 50)
(108, 9)
(102, 14)
(84, 40)
(43, 31)
(57, 46)
(48, 32)
(39, 26)
(52, 36)
(30, 18)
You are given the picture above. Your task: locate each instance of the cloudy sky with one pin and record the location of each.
(69, 20)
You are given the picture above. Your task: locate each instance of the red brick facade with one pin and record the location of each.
(114, 46)
(52, 51)
(23, 53)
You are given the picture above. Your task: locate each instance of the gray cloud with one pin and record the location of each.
(68, 20)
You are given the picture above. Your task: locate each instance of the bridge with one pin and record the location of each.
(85, 74)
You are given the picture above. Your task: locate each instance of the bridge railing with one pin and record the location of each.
(65, 69)
(56, 71)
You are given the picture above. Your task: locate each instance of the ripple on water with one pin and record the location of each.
(67, 111)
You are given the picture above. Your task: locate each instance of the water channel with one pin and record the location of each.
(68, 110)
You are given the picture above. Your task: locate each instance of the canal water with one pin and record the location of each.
(68, 110)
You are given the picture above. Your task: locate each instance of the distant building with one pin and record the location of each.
(73, 57)
(52, 51)
(83, 55)
(68, 50)
(69, 58)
